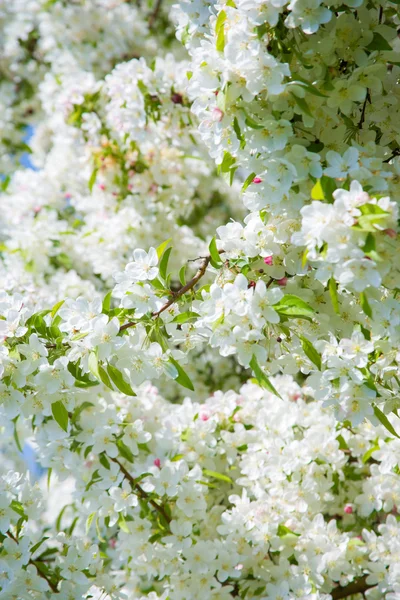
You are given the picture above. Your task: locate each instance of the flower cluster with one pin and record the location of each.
(211, 206)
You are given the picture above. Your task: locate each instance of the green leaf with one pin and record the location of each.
(365, 305)
(239, 134)
(385, 421)
(302, 104)
(118, 380)
(311, 352)
(101, 539)
(106, 303)
(261, 376)
(104, 377)
(220, 31)
(89, 521)
(18, 508)
(293, 306)
(15, 433)
(248, 181)
(93, 365)
(183, 378)
(33, 549)
(308, 86)
(164, 263)
(332, 286)
(60, 414)
(122, 523)
(125, 451)
(182, 273)
(55, 308)
(92, 179)
(177, 457)
(161, 248)
(370, 452)
(185, 316)
(379, 43)
(216, 475)
(283, 530)
(215, 256)
(317, 193)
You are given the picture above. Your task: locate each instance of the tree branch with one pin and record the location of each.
(188, 286)
(33, 562)
(359, 586)
(144, 495)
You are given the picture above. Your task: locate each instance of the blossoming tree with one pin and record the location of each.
(199, 314)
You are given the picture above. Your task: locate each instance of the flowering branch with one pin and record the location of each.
(141, 491)
(176, 295)
(359, 586)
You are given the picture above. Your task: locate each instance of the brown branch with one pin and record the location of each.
(33, 562)
(359, 586)
(153, 16)
(188, 286)
(144, 495)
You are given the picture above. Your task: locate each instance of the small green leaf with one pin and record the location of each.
(15, 433)
(379, 43)
(101, 539)
(125, 451)
(215, 256)
(216, 475)
(122, 523)
(302, 104)
(248, 181)
(261, 376)
(104, 377)
(118, 380)
(106, 303)
(89, 521)
(60, 414)
(183, 378)
(182, 273)
(370, 452)
(94, 365)
(317, 193)
(164, 263)
(55, 308)
(185, 316)
(385, 421)
(283, 530)
(311, 352)
(308, 86)
(36, 546)
(220, 31)
(293, 306)
(92, 179)
(332, 286)
(365, 305)
(161, 248)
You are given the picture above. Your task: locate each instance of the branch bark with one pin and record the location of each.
(359, 586)
(188, 286)
(144, 495)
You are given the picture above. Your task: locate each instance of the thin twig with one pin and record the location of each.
(154, 14)
(144, 495)
(32, 562)
(188, 286)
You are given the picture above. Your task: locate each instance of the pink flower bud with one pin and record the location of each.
(257, 180)
(282, 282)
(217, 114)
(348, 509)
(390, 232)
(268, 260)
(157, 463)
(204, 417)
(102, 186)
(112, 542)
(251, 284)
